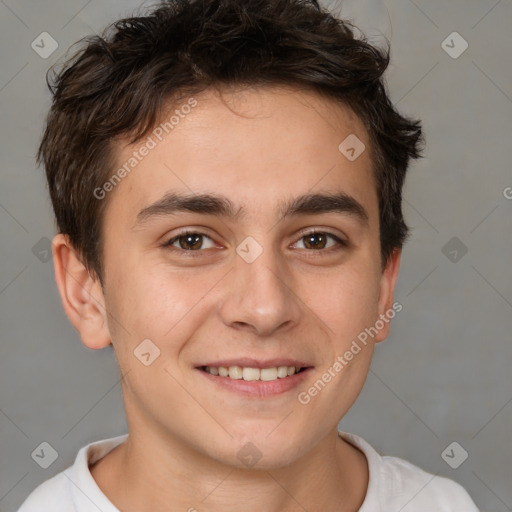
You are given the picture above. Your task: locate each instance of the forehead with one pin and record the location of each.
(255, 145)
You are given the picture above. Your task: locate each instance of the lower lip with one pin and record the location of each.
(258, 388)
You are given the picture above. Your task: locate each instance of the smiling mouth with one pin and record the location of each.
(253, 374)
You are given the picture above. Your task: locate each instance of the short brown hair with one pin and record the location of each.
(118, 83)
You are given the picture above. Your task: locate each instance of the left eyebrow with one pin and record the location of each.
(317, 204)
(221, 206)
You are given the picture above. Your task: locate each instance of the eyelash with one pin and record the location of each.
(342, 244)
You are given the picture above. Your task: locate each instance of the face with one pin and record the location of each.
(272, 282)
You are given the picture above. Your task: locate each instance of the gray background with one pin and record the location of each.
(442, 376)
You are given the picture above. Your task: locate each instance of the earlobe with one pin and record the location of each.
(387, 289)
(81, 295)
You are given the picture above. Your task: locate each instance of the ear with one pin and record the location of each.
(81, 295)
(387, 290)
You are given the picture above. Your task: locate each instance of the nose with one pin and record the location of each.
(259, 296)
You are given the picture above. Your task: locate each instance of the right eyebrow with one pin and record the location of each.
(206, 204)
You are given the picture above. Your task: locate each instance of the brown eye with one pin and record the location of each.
(189, 241)
(318, 240)
(315, 241)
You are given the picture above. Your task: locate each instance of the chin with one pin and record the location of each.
(262, 452)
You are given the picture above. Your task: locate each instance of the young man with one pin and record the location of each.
(226, 177)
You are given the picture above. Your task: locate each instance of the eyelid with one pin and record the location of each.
(323, 231)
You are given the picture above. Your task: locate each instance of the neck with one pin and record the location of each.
(152, 474)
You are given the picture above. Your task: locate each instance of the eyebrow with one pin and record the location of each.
(221, 206)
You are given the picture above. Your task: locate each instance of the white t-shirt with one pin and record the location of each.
(394, 485)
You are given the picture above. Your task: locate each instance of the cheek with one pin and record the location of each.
(155, 303)
(345, 300)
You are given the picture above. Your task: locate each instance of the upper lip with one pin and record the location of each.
(248, 362)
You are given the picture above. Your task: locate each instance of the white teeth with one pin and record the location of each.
(235, 372)
(282, 372)
(268, 374)
(251, 374)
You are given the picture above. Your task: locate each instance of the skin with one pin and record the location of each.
(257, 147)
